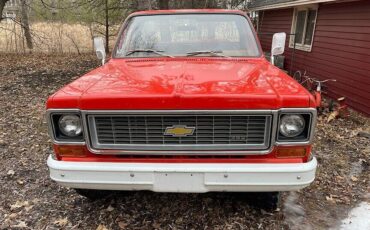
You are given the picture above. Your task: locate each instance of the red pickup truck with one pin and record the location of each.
(186, 103)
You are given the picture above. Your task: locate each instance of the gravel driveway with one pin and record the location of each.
(30, 200)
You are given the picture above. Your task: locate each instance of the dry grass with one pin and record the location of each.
(48, 37)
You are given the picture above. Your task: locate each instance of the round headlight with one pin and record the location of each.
(70, 125)
(291, 125)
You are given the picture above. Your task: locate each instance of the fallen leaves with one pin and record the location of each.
(331, 198)
(29, 199)
(10, 172)
(110, 208)
(332, 116)
(19, 204)
(25, 83)
(101, 227)
(61, 222)
(21, 224)
(122, 225)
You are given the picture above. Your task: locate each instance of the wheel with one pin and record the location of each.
(273, 200)
(265, 200)
(93, 194)
(268, 200)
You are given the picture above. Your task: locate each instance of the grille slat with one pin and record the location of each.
(143, 131)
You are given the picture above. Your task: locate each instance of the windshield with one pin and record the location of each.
(226, 35)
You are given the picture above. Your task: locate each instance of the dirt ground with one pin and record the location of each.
(30, 200)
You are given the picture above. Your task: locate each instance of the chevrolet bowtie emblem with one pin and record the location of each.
(179, 131)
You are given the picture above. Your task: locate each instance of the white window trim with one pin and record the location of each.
(302, 47)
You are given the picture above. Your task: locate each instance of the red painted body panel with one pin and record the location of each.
(183, 83)
(268, 158)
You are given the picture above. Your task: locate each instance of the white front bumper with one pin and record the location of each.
(183, 177)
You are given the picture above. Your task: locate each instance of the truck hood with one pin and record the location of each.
(183, 83)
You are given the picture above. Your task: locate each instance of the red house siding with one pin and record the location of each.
(340, 50)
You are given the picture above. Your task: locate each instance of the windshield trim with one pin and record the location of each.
(130, 17)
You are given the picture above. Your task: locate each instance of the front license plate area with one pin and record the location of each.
(179, 182)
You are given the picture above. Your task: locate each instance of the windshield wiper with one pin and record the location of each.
(159, 52)
(213, 52)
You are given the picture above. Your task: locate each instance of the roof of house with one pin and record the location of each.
(259, 3)
(256, 5)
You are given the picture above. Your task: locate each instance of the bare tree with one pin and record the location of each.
(163, 4)
(106, 26)
(25, 24)
(144, 4)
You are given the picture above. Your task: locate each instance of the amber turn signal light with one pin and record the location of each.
(291, 152)
(70, 150)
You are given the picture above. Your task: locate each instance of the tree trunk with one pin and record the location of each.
(189, 4)
(53, 9)
(163, 4)
(106, 27)
(143, 4)
(26, 25)
(2, 4)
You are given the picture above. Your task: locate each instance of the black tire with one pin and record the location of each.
(275, 200)
(93, 194)
(268, 201)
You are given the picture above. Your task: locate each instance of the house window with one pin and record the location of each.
(303, 26)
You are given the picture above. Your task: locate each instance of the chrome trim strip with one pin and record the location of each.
(216, 151)
(273, 142)
(187, 112)
(177, 147)
(311, 131)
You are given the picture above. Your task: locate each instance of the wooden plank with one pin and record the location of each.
(346, 48)
(338, 53)
(353, 59)
(349, 36)
(364, 108)
(322, 73)
(360, 73)
(344, 42)
(345, 29)
(340, 22)
(332, 72)
(343, 16)
(349, 7)
(329, 57)
(342, 10)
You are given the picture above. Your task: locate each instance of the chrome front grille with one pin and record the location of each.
(210, 132)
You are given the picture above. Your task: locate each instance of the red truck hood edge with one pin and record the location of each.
(182, 83)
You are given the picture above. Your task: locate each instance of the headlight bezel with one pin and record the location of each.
(305, 135)
(57, 135)
(276, 139)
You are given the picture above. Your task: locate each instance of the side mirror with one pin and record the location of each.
(278, 45)
(99, 48)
